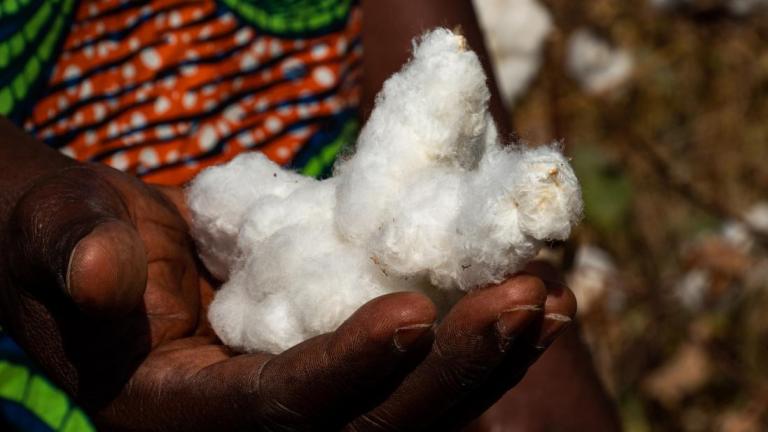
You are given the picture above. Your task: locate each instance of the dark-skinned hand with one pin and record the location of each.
(105, 291)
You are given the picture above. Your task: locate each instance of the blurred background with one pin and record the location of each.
(663, 107)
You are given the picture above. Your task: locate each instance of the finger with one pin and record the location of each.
(73, 237)
(316, 385)
(329, 379)
(559, 310)
(470, 343)
(560, 306)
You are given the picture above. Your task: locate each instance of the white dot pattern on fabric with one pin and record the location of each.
(71, 72)
(161, 105)
(319, 51)
(138, 120)
(273, 124)
(283, 152)
(246, 139)
(324, 76)
(150, 58)
(90, 138)
(172, 156)
(119, 161)
(243, 36)
(175, 19)
(207, 138)
(149, 158)
(248, 62)
(164, 132)
(86, 89)
(189, 100)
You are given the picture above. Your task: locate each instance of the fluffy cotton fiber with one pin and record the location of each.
(430, 202)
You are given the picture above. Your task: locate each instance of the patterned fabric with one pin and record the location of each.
(30, 34)
(28, 400)
(293, 17)
(162, 89)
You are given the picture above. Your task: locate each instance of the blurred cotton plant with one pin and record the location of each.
(738, 7)
(595, 64)
(515, 31)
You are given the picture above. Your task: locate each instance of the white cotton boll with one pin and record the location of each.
(518, 198)
(227, 312)
(757, 217)
(219, 197)
(515, 31)
(430, 202)
(594, 280)
(430, 113)
(302, 281)
(514, 75)
(546, 194)
(420, 236)
(595, 64)
(308, 205)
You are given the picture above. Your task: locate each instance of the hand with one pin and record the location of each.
(105, 291)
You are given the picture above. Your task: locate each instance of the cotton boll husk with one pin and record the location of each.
(220, 196)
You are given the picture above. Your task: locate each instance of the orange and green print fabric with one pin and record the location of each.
(162, 89)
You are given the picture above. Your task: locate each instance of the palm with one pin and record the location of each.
(176, 290)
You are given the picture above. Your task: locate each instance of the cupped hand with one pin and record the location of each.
(105, 291)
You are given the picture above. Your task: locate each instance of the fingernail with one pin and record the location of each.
(553, 325)
(411, 336)
(68, 277)
(511, 321)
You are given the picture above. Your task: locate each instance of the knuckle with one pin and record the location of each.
(459, 370)
(51, 217)
(374, 325)
(563, 302)
(272, 413)
(526, 289)
(463, 378)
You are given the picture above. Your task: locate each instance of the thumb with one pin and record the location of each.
(71, 235)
